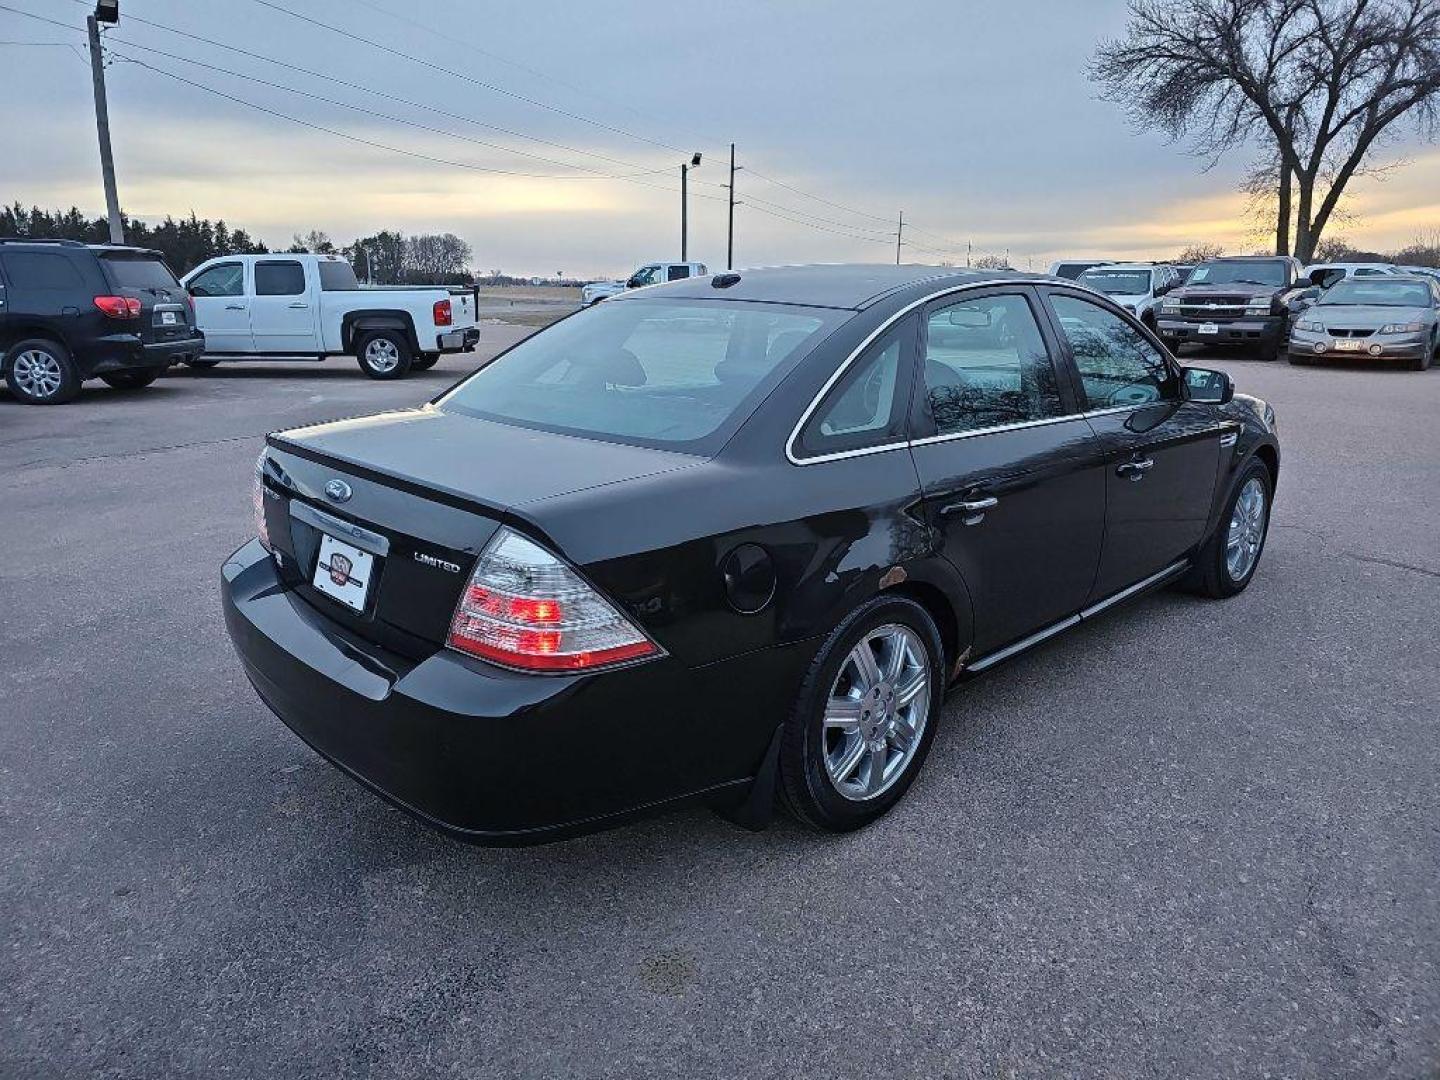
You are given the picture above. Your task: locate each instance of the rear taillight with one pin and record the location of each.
(526, 608)
(442, 313)
(119, 307)
(258, 499)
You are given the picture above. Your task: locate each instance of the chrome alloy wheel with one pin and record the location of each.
(877, 711)
(37, 373)
(382, 354)
(1247, 530)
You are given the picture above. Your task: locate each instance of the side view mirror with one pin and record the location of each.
(1213, 387)
(193, 291)
(1161, 290)
(633, 283)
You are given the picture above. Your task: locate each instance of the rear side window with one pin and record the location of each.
(47, 271)
(986, 366)
(279, 279)
(138, 273)
(867, 407)
(338, 277)
(225, 279)
(664, 373)
(1117, 366)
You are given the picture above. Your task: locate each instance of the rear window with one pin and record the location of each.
(131, 272)
(338, 277)
(678, 375)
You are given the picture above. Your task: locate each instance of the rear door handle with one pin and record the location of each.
(1135, 470)
(973, 509)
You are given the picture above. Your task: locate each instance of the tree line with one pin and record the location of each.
(384, 258)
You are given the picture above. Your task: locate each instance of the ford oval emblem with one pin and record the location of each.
(337, 491)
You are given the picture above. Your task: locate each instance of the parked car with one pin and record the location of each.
(1137, 287)
(738, 559)
(1182, 271)
(71, 312)
(258, 306)
(1073, 268)
(649, 274)
(1323, 275)
(1423, 271)
(1239, 300)
(1384, 317)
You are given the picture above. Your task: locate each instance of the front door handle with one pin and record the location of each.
(299, 304)
(1135, 470)
(973, 509)
(234, 307)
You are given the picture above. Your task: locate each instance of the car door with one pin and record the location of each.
(282, 317)
(1012, 476)
(222, 311)
(1162, 452)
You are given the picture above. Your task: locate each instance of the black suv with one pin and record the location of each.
(1242, 300)
(71, 311)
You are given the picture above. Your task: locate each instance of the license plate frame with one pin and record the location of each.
(1347, 344)
(343, 572)
(1209, 329)
(169, 318)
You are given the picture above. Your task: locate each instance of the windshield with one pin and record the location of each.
(139, 272)
(674, 374)
(1117, 282)
(1377, 293)
(1255, 272)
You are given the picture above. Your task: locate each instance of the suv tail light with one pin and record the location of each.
(119, 307)
(526, 608)
(442, 313)
(257, 496)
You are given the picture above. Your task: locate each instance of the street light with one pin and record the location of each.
(107, 11)
(685, 167)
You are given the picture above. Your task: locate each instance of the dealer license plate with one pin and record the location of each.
(343, 572)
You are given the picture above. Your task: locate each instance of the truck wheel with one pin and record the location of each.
(425, 361)
(383, 354)
(130, 380)
(40, 372)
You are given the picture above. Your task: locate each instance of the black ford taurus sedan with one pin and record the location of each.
(731, 539)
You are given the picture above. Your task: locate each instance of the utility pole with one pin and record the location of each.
(730, 230)
(685, 167)
(898, 234)
(102, 125)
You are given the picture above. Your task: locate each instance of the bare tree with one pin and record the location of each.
(1199, 253)
(991, 262)
(1318, 84)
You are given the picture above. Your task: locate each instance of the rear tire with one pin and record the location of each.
(383, 354)
(130, 380)
(425, 361)
(1218, 572)
(828, 767)
(40, 372)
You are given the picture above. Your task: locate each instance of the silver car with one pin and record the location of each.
(1373, 317)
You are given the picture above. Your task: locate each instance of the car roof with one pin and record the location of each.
(852, 286)
(1128, 266)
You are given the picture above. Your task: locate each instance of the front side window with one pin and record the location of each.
(664, 373)
(867, 406)
(279, 279)
(1117, 365)
(224, 279)
(986, 365)
(646, 275)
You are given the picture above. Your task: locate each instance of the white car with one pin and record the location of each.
(1073, 268)
(1137, 287)
(649, 274)
(1326, 274)
(257, 306)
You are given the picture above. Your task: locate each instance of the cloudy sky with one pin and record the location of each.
(973, 116)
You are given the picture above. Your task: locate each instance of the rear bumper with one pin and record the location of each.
(126, 352)
(454, 341)
(1234, 332)
(493, 756)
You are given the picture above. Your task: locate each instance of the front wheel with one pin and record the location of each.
(40, 372)
(1228, 560)
(383, 354)
(130, 380)
(865, 718)
(1422, 362)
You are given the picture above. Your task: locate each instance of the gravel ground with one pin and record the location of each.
(1191, 839)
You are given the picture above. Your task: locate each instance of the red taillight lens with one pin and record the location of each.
(442, 313)
(525, 608)
(119, 307)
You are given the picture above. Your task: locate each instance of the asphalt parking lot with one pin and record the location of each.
(1191, 839)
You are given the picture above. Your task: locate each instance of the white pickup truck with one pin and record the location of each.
(258, 306)
(649, 274)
